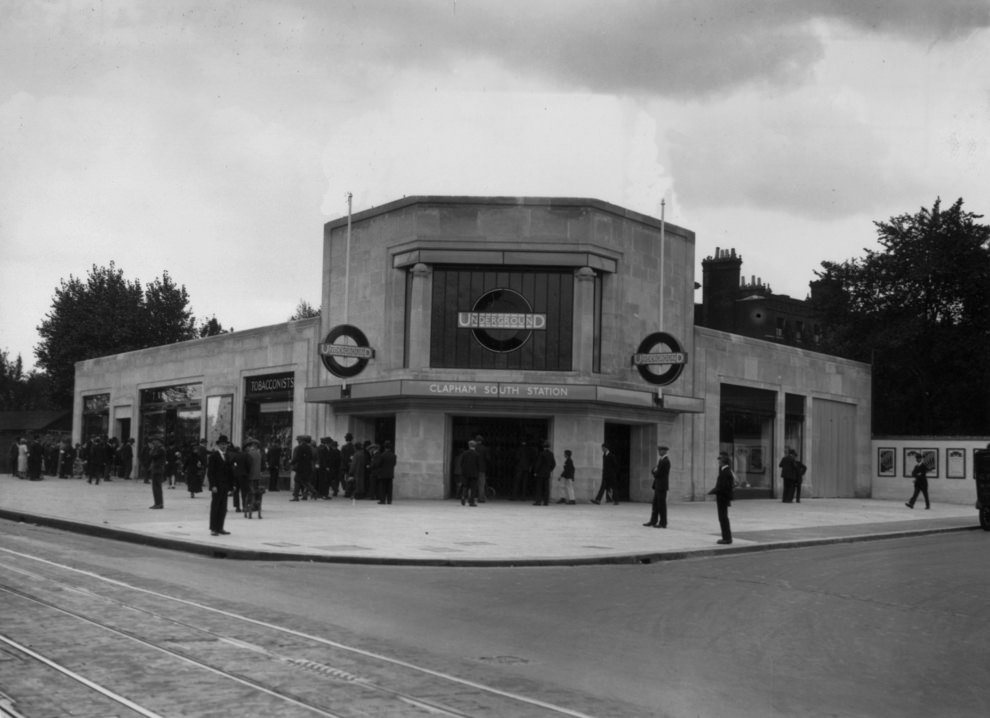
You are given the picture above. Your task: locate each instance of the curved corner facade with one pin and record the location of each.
(520, 320)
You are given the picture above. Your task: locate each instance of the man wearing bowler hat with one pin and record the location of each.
(220, 475)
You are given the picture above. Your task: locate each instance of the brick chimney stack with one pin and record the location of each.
(720, 278)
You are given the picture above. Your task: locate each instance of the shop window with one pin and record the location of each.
(746, 429)
(268, 402)
(95, 416)
(172, 414)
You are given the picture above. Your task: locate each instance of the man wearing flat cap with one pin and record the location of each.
(661, 484)
(220, 475)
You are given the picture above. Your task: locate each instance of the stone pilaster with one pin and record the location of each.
(583, 351)
(418, 331)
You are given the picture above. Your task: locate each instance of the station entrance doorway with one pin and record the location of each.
(503, 438)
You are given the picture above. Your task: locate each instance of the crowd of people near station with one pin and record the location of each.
(319, 471)
(358, 470)
(34, 457)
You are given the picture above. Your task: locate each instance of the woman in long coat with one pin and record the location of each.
(193, 469)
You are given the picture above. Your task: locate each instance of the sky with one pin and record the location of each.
(212, 140)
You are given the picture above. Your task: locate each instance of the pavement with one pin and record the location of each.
(444, 533)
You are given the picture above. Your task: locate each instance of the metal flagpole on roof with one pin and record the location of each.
(347, 262)
(663, 207)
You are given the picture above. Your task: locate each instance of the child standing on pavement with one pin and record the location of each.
(567, 480)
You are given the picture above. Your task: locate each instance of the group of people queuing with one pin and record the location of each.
(360, 470)
(100, 458)
(320, 471)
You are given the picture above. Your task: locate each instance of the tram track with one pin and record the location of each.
(293, 672)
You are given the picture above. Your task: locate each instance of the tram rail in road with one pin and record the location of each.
(94, 631)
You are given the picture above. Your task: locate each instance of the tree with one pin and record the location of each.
(918, 311)
(211, 328)
(304, 310)
(20, 391)
(107, 314)
(166, 309)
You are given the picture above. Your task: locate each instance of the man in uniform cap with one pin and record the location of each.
(661, 484)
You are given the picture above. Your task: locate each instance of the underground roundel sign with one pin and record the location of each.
(501, 320)
(659, 359)
(346, 352)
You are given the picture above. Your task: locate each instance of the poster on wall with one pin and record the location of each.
(955, 463)
(928, 456)
(885, 462)
(219, 417)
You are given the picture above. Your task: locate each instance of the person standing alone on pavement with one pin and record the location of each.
(220, 476)
(157, 457)
(661, 484)
(723, 496)
(469, 475)
(920, 474)
(567, 480)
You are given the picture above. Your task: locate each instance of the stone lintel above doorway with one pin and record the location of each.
(504, 257)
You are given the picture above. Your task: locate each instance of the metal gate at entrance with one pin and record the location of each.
(503, 438)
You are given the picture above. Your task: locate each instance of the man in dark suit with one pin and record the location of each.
(470, 466)
(920, 474)
(383, 472)
(723, 496)
(545, 464)
(661, 484)
(220, 475)
(789, 474)
(610, 474)
(346, 459)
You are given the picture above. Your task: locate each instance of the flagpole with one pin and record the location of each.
(661, 283)
(347, 262)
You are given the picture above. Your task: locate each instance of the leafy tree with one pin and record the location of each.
(918, 310)
(107, 314)
(167, 313)
(304, 310)
(211, 328)
(20, 391)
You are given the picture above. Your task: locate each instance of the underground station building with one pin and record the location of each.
(522, 320)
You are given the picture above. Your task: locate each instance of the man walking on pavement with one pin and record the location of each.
(610, 474)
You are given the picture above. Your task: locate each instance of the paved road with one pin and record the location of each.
(887, 628)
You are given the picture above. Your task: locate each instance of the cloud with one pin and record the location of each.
(921, 20)
(806, 156)
(496, 143)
